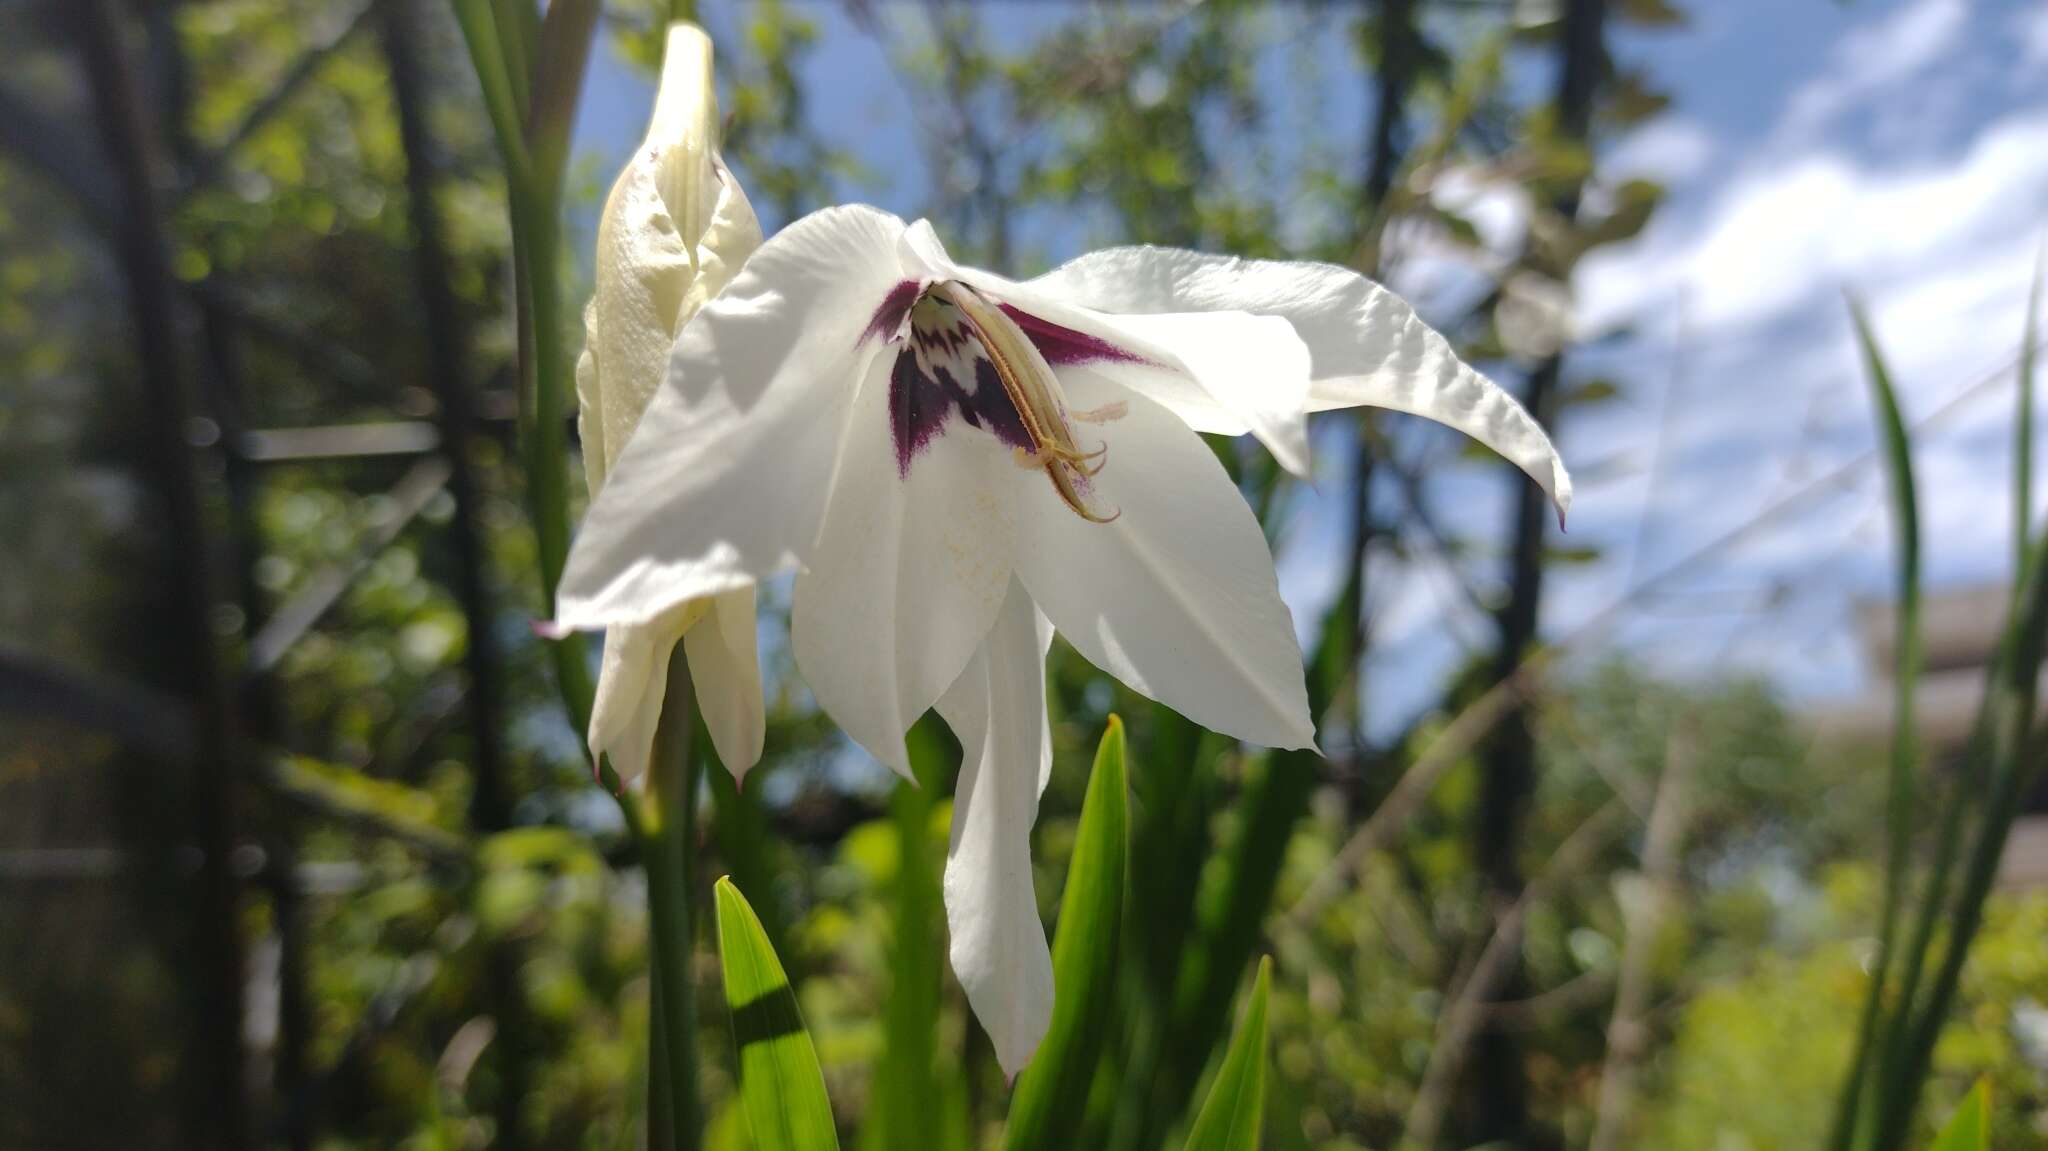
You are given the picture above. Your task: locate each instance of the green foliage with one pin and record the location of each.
(1877, 1031)
(780, 1083)
(903, 1110)
(1231, 1115)
(1094, 126)
(1043, 1112)
(1969, 1129)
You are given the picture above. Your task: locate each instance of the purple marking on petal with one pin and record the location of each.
(1060, 344)
(889, 317)
(941, 369)
(917, 409)
(921, 402)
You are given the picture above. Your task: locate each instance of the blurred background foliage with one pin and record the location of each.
(420, 973)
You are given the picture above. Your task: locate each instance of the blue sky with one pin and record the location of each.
(1899, 148)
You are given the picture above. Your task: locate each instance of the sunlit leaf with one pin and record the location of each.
(780, 1083)
(1044, 1111)
(1969, 1129)
(1230, 1116)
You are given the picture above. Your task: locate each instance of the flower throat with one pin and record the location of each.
(963, 353)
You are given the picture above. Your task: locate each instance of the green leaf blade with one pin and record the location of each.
(1877, 1035)
(1969, 1129)
(1230, 1116)
(1046, 1110)
(782, 1088)
(2023, 426)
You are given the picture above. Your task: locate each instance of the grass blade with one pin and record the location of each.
(1872, 1032)
(1969, 1129)
(1230, 1116)
(2023, 425)
(781, 1085)
(1045, 1111)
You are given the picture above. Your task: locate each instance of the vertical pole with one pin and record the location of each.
(1509, 763)
(447, 363)
(219, 1117)
(1392, 80)
(255, 694)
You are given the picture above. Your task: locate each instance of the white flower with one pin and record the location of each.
(957, 464)
(674, 231)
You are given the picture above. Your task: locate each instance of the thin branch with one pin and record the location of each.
(297, 615)
(302, 70)
(1643, 904)
(1479, 718)
(138, 716)
(1578, 993)
(1464, 732)
(1467, 1012)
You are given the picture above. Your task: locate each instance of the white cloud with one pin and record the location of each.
(1782, 234)
(1875, 59)
(1669, 148)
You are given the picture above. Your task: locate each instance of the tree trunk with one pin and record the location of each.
(1499, 1090)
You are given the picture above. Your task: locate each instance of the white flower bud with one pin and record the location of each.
(675, 230)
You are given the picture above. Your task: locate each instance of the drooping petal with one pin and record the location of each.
(1219, 371)
(632, 681)
(726, 478)
(998, 949)
(1368, 346)
(1176, 596)
(911, 564)
(725, 667)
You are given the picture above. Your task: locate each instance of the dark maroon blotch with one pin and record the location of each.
(920, 403)
(1060, 344)
(889, 317)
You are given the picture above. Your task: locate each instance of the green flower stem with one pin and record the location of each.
(661, 1126)
(531, 75)
(668, 821)
(501, 99)
(518, 24)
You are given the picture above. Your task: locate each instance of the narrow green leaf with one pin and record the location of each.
(1230, 1116)
(2023, 426)
(1969, 1129)
(1045, 1111)
(781, 1085)
(1875, 1034)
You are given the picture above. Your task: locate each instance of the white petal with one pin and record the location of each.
(997, 709)
(632, 681)
(1223, 372)
(725, 666)
(1177, 596)
(726, 478)
(908, 571)
(1251, 372)
(1368, 345)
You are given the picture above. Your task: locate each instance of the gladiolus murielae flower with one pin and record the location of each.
(674, 231)
(958, 464)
